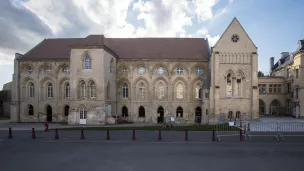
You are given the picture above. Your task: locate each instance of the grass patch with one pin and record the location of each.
(155, 128)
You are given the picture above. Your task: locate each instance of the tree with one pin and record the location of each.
(260, 74)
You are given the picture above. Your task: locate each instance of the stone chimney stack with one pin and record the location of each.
(284, 54)
(271, 60)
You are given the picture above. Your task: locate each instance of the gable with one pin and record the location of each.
(243, 41)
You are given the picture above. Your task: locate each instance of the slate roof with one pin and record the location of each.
(123, 48)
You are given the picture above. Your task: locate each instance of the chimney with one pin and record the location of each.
(271, 61)
(284, 54)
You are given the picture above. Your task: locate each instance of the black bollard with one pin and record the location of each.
(213, 135)
(108, 134)
(159, 134)
(56, 134)
(82, 134)
(10, 136)
(133, 136)
(33, 133)
(186, 134)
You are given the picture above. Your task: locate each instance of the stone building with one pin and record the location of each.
(5, 101)
(282, 91)
(87, 80)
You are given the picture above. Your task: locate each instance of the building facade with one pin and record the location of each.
(88, 80)
(282, 91)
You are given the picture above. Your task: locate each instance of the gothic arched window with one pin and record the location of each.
(31, 90)
(92, 89)
(87, 62)
(142, 90)
(49, 91)
(67, 90)
(30, 110)
(125, 93)
(179, 91)
(160, 90)
(229, 85)
(197, 90)
(82, 89)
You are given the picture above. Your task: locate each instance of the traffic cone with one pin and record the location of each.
(133, 137)
(108, 134)
(33, 133)
(56, 134)
(186, 134)
(10, 136)
(82, 134)
(159, 134)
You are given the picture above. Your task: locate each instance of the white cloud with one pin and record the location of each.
(204, 33)
(203, 9)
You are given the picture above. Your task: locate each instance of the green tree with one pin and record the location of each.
(260, 74)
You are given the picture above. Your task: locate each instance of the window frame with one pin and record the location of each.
(49, 90)
(87, 62)
(31, 90)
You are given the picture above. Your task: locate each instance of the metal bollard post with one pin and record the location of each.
(186, 134)
(241, 135)
(56, 134)
(213, 135)
(108, 134)
(133, 136)
(159, 134)
(33, 133)
(82, 134)
(10, 136)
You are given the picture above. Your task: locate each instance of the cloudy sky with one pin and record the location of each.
(273, 25)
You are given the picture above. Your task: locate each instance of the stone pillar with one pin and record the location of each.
(15, 93)
(255, 90)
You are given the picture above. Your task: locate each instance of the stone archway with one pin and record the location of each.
(274, 107)
(262, 107)
(179, 112)
(198, 115)
(49, 114)
(160, 114)
(124, 111)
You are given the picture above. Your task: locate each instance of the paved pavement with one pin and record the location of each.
(149, 156)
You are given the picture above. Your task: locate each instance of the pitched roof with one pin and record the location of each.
(124, 48)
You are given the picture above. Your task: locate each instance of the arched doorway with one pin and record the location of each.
(49, 115)
(179, 112)
(124, 111)
(274, 107)
(66, 110)
(141, 112)
(261, 107)
(230, 113)
(160, 114)
(198, 115)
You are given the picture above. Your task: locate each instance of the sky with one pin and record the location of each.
(275, 26)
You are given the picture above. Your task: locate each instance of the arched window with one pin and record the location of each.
(160, 90)
(67, 90)
(111, 66)
(66, 70)
(87, 62)
(141, 112)
(31, 90)
(92, 89)
(125, 111)
(229, 85)
(275, 107)
(230, 113)
(83, 112)
(237, 115)
(125, 90)
(142, 90)
(66, 110)
(30, 110)
(49, 90)
(179, 91)
(239, 84)
(197, 90)
(82, 89)
(179, 112)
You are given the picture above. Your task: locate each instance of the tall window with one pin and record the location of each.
(160, 90)
(142, 90)
(279, 88)
(66, 110)
(262, 88)
(297, 92)
(237, 114)
(83, 112)
(179, 91)
(87, 62)
(31, 90)
(297, 73)
(92, 89)
(67, 90)
(239, 86)
(197, 91)
(111, 66)
(30, 110)
(125, 91)
(49, 90)
(82, 89)
(229, 85)
(270, 88)
(288, 88)
(288, 72)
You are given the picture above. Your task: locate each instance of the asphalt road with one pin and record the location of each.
(35, 155)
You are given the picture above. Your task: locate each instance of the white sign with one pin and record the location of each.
(231, 123)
